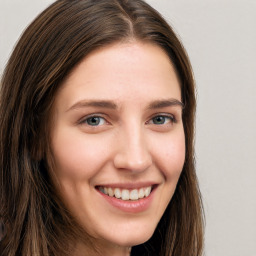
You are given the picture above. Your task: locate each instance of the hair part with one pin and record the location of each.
(57, 40)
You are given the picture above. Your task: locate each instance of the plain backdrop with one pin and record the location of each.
(220, 38)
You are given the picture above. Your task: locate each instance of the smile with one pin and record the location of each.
(126, 194)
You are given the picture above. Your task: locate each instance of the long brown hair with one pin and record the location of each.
(36, 221)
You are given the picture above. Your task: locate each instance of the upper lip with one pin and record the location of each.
(128, 185)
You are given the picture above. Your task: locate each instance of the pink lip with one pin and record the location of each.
(130, 206)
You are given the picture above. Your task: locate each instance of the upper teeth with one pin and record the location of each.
(126, 194)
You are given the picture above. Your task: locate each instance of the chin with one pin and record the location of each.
(132, 238)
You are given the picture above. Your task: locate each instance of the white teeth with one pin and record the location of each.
(126, 194)
(134, 195)
(110, 192)
(117, 193)
(147, 191)
(141, 193)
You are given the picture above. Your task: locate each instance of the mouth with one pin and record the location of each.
(126, 194)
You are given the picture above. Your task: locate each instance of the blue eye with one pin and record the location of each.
(158, 120)
(95, 121)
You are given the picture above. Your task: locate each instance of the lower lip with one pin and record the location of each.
(130, 206)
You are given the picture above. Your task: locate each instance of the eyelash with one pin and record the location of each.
(85, 121)
(165, 116)
(151, 121)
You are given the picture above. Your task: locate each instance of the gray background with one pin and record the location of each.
(220, 37)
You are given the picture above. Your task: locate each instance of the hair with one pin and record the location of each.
(35, 219)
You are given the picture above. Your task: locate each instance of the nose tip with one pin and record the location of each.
(134, 165)
(133, 157)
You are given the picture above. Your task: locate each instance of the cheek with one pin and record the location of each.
(77, 156)
(170, 155)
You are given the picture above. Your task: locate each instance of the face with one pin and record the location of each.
(118, 141)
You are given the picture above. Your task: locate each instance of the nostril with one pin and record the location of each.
(132, 163)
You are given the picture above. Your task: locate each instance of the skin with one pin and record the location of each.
(127, 146)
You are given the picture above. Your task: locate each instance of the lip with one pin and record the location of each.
(130, 206)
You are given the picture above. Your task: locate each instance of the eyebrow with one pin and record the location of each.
(94, 103)
(111, 105)
(165, 103)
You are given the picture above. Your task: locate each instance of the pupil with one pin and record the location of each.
(94, 121)
(159, 120)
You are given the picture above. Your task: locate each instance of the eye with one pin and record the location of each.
(94, 121)
(162, 119)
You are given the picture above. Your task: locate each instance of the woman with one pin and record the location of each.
(97, 125)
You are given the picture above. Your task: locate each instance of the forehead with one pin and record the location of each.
(124, 71)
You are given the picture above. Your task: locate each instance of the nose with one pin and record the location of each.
(132, 152)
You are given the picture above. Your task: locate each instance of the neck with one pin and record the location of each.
(101, 250)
